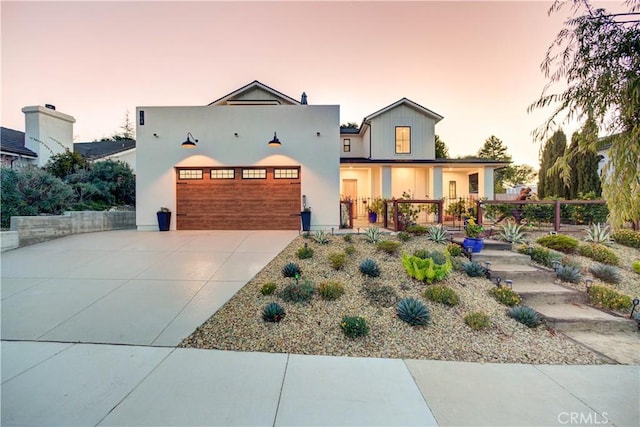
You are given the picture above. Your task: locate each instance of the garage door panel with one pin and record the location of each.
(272, 204)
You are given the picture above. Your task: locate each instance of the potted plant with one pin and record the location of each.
(375, 209)
(305, 215)
(473, 232)
(164, 219)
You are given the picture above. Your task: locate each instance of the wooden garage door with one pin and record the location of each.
(238, 198)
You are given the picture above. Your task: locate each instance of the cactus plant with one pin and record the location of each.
(413, 311)
(273, 312)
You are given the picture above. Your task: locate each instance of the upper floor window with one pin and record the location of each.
(346, 145)
(403, 139)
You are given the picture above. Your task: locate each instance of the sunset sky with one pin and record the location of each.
(475, 63)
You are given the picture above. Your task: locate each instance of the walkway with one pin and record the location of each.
(69, 305)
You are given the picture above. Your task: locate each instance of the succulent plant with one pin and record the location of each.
(273, 312)
(525, 315)
(330, 290)
(380, 295)
(474, 269)
(354, 326)
(403, 236)
(321, 237)
(347, 238)
(268, 288)
(305, 252)
(569, 273)
(599, 233)
(607, 273)
(421, 253)
(442, 294)
(512, 233)
(370, 268)
(298, 292)
(372, 235)
(438, 257)
(437, 234)
(454, 249)
(291, 270)
(413, 311)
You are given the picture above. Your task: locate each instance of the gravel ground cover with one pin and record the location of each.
(313, 328)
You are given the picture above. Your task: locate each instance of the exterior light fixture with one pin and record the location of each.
(275, 142)
(529, 249)
(556, 265)
(499, 282)
(317, 133)
(189, 143)
(488, 264)
(635, 303)
(469, 251)
(509, 283)
(588, 281)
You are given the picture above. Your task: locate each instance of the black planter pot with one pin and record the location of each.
(306, 220)
(164, 221)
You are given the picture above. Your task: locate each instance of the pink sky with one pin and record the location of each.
(475, 63)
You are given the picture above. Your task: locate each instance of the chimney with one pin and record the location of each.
(47, 131)
(303, 101)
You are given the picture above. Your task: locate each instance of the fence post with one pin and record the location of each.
(479, 211)
(385, 212)
(556, 217)
(350, 205)
(440, 211)
(395, 215)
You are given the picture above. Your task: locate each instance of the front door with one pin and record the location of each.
(350, 191)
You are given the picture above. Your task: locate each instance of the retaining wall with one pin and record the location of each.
(34, 229)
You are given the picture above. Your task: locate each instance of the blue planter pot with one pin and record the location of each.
(373, 217)
(476, 244)
(164, 221)
(306, 220)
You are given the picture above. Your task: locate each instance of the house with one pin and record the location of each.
(122, 150)
(254, 158)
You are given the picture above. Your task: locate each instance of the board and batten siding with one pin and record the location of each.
(383, 134)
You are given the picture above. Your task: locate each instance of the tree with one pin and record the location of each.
(583, 164)
(518, 175)
(597, 56)
(350, 125)
(551, 184)
(127, 130)
(442, 152)
(65, 164)
(494, 149)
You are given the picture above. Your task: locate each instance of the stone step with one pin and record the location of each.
(548, 293)
(521, 273)
(621, 347)
(578, 317)
(501, 257)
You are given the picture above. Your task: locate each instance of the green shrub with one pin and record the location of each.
(320, 236)
(305, 252)
(474, 269)
(606, 273)
(438, 257)
(291, 269)
(505, 296)
(273, 312)
(442, 294)
(541, 255)
(372, 235)
(418, 230)
(268, 288)
(350, 250)
(628, 238)
(354, 326)
(559, 242)
(476, 320)
(298, 292)
(437, 234)
(425, 270)
(454, 249)
(525, 315)
(337, 260)
(607, 297)
(388, 246)
(421, 253)
(413, 311)
(636, 266)
(347, 238)
(403, 236)
(599, 253)
(369, 267)
(380, 295)
(569, 273)
(330, 290)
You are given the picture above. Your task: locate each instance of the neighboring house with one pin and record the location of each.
(47, 132)
(254, 158)
(123, 150)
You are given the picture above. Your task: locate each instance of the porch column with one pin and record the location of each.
(437, 182)
(485, 178)
(386, 182)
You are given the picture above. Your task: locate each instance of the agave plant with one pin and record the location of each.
(321, 237)
(437, 234)
(474, 269)
(273, 312)
(370, 268)
(599, 233)
(413, 311)
(291, 270)
(525, 315)
(512, 233)
(372, 235)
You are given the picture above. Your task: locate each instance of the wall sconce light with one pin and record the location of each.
(155, 135)
(189, 143)
(275, 142)
(235, 134)
(317, 133)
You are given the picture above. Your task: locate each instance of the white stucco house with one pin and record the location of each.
(255, 157)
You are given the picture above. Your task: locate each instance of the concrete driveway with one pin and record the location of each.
(128, 287)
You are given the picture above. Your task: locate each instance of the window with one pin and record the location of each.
(452, 190)
(473, 183)
(403, 140)
(254, 173)
(346, 145)
(190, 174)
(285, 173)
(222, 174)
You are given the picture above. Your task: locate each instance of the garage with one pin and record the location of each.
(238, 198)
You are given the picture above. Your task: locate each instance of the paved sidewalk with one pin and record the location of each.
(129, 297)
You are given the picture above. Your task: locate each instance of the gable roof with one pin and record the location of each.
(405, 101)
(12, 141)
(255, 86)
(99, 149)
